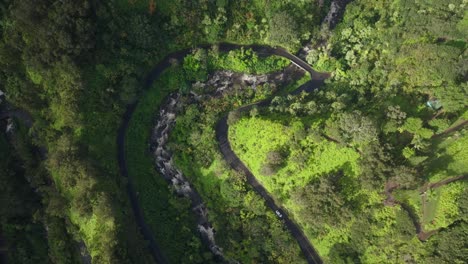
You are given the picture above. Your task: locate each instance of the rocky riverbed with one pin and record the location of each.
(218, 84)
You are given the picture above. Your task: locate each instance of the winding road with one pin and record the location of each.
(222, 130)
(221, 134)
(222, 137)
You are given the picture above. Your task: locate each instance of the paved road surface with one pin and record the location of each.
(222, 137)
(222, 130)
(310, 253)
(318, 78)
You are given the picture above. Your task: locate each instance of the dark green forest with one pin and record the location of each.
(371, 165)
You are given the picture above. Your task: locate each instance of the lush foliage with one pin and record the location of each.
(75, 64)
(168, 215)
(173, 225)
(245, 228)
(24, 191)
(387, 123)
(389, 116)
(302, 155)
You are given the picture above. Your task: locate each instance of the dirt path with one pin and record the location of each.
(438, 184)
(451, 129)
(391, 201)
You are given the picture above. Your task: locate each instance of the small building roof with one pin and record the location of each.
(434, 104)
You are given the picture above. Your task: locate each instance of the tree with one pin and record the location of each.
(283, 30)
(463, 204)
(395, 113)
(254, 112)
(420, 134)
(405, 177)
(452, 245)
(129, 89)
(321, 202)
(356, 128)
(233, 117)
(375, 166)
(196, 65)
(274, 158)
(273, 162)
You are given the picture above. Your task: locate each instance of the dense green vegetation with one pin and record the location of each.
(174, 225)
(246, 229)
(330, 156)
(387, 120)
(75, 64)
(34, 233)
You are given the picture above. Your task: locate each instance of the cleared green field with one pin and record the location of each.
(441, 207)
(253, 138)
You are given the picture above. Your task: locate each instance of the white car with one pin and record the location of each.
(278, 214)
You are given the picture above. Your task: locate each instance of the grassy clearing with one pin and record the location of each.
(441, 204)
(253, 138)
(442, 208)
(451, 157)
(430, 203)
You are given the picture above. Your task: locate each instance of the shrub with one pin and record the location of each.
(233, 117)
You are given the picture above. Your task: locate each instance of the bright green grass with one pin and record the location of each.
(253, 138)
(442, 207)
(452, 157)
(430, 208)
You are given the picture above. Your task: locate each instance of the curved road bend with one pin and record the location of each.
(222, 137)
(317, 80)
(222, 130)
(137, 210)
